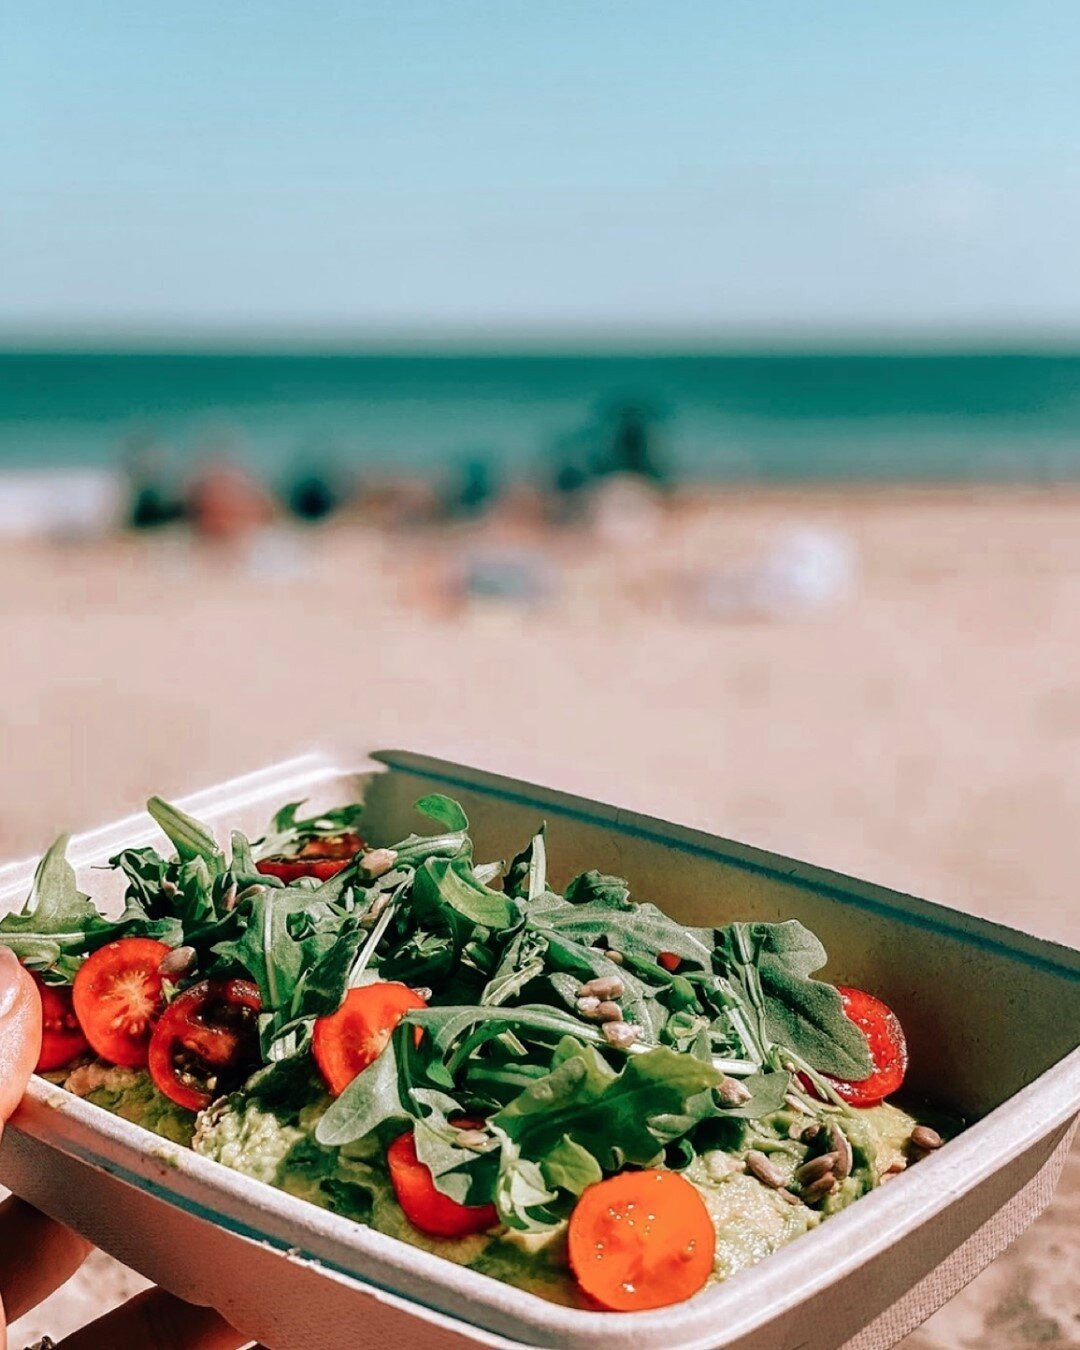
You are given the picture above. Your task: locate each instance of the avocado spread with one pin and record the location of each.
(277, 1145)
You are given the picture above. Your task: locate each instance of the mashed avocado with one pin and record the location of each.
(275, 1143)
(131, 1094)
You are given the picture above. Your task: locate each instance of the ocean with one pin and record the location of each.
(726, 417)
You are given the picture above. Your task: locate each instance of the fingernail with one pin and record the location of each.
(10, 979)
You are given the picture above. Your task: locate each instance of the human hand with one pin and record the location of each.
(37, 1255)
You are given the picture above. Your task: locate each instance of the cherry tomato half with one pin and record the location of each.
(888, 1048)
(669, 961)
(323, 857)
(346, 1042)
(117, 998)
(62, 1038)
(641, 1240)
(206, 1042)
(424, 1205)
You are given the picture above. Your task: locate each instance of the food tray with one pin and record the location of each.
(992, 1018)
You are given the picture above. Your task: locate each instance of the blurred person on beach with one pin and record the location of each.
(38, 1255)
(227, 506)
(630, 447)
(153, 499)
(315, 488)
(474, 490)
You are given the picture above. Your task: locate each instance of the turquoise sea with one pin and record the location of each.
(726, 416)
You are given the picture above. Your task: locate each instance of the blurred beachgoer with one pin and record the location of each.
(154, 499)
(227, 505)
(313, 493)
(568, 480)
(631, 447)
(475, 489)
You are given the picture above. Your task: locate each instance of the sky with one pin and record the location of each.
(642, 171)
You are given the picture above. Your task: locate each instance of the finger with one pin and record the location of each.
(37, 1255)
(20, 1031)
(156, 1320)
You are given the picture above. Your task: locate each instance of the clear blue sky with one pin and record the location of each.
(703, 166)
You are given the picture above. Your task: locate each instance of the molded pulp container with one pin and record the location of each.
(993, 1022)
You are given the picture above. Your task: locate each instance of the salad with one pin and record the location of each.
(566, 1090)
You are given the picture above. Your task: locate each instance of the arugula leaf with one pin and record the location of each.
(610, 1114)
(570, 1167)
(444, 810)
(771, 965)
(767, 1093)
(286, 932)
(287, 833)
(594, 888)
(59, 923)
(189, 836)
(466, 1174)
(450, 881)
(522, 961)
(603, 912)
(527, 875)
(522, 1197)
(371, 1099)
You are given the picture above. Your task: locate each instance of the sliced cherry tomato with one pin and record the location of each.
(669, 961)
(206, 1042)
(117, 998)
(322, 857)
(425, 1206)
(888, 1049)
(346, 1042)
(62, 1038)
(641, 1240)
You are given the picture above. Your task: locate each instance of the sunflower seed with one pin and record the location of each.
(922, 1136)
(789, 1196)
(378, 862)
(228, 900)
(620, 1034)
(604, 986)
(606, 1011)
(731, 1092)
(470, 1139)
(169, 888)
(841, 1147)
(765, 1171)
(250, 893)
(178, 962)
(796, 1105)
(816, 1168)
(587, 1007)
(824, 1185)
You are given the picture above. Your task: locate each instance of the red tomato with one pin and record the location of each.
(346, 1042)
(206, 1042)
(425, 1206)
(62, 1038)
(669, 961)
(117, 998)
(321, 857)
(641, 1240)
(888, 1049)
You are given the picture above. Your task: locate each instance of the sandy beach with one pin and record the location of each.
(924, 733)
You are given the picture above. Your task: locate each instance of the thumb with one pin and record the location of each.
(20, 1031)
